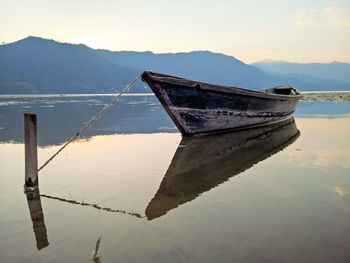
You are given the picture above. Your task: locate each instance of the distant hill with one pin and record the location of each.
(217, 68)
(335, 70)
(199, 65)
(37, 65)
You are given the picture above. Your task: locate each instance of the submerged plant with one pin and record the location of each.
(95, 257)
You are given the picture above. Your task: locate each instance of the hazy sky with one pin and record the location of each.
(250, 30)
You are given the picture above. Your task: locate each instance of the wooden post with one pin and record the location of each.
(31, 156)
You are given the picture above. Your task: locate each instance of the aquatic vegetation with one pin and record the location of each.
(95, 256)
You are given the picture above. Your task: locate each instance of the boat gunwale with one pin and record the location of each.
(188, 83)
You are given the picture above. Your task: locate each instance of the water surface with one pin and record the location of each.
(277, 194)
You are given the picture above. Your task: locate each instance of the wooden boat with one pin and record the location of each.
(200, 108)
(202, 163)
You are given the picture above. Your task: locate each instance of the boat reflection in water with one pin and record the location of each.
(36, 213)
(202, 163)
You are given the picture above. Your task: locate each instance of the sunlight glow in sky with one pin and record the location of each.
(250, 30)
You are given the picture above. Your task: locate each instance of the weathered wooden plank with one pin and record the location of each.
(31, 156)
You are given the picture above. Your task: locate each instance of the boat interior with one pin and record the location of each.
(283, 90)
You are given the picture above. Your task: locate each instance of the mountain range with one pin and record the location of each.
(335, 70)
(37, 65)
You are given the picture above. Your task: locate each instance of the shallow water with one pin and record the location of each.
(277, 194)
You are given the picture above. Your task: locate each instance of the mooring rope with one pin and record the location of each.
(77, 134)
(96, 206)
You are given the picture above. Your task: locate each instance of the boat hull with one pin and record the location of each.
(200, 108)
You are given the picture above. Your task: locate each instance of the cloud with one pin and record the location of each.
(268, 50)
(327, 17)
(340, 191)
(273, 50)
(320, 158)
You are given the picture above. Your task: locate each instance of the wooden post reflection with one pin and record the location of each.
(36, 213)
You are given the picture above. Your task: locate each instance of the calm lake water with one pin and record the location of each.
(275, 194)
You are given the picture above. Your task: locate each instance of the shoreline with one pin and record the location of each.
(308, 96)
(337, 96)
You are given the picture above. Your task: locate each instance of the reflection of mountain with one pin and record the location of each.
(200, 164)
(60, 117)
(322, 109)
